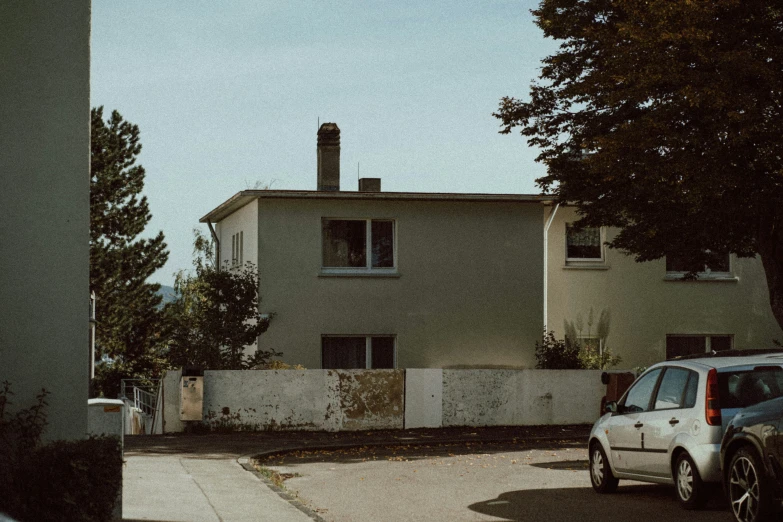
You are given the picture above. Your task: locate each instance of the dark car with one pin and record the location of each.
(751, 458)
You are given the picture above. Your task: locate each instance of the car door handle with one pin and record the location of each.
(674, 421)
(638, 425)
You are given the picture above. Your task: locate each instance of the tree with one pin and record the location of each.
(130, 329)
(215, 316)
(664, 119)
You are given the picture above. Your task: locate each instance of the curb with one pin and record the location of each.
(246, 460)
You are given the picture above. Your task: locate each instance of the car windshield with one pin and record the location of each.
(743, 388)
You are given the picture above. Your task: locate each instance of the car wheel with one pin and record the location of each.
(747, 487)
(692, 492)
(601, 475)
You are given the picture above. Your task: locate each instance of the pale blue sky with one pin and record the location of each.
(227, 94)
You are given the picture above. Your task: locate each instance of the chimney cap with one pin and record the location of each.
(329, 134)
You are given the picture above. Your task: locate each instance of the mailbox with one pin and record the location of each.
(191, 398)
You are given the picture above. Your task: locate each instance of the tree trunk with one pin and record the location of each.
(770, 248)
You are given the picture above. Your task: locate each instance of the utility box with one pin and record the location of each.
(106, 417)
(191, 398)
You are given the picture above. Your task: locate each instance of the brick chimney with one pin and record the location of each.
(329, 157)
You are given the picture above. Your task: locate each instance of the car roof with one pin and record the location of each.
(728, 359)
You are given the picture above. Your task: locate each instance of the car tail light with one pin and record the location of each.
(712, 406)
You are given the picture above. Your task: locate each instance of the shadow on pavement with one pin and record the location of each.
(633, 502)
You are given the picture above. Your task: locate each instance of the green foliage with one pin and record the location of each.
(594, 351)
(59, 481)
(554, 354)
(663, 119)
(215, 316)
(130, 328)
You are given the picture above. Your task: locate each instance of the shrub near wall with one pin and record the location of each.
(76, 480)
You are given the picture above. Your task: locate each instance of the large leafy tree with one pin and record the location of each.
(130, 329)
(663, 118)
(215, 317)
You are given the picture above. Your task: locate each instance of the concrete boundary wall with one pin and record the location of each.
(345, 400)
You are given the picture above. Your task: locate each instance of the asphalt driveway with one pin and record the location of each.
(469, 481)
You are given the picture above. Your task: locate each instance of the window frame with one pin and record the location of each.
(368, 269)
(367, 348)
(707, 341)
(586, 260)
(707, 274)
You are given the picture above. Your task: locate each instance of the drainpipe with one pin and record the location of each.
(546, 262)
(217, 246)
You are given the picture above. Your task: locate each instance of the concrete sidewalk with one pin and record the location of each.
(192, 489)
(193, 478)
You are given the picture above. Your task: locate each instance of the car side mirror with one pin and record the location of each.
(611, 407)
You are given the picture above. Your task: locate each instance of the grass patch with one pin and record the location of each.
(275, 477)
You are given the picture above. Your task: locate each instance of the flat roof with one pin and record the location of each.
(240, 199)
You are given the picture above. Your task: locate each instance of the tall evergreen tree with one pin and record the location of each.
(130, 324)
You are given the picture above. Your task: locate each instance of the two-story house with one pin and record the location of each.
(374, 279)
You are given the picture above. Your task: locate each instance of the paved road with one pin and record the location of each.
(472, 482)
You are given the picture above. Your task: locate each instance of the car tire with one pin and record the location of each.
(692, 492)
(748, 488)
(601, 475)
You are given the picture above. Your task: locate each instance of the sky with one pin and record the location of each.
(228, 95)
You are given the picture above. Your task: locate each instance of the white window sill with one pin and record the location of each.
(359, 273)
(586, 266)
(722, 277)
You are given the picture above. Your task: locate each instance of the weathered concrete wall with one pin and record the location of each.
(170, 413)
(520, 397)
(346, 400)
(330, 400)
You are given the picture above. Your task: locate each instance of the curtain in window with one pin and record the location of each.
(585, 243)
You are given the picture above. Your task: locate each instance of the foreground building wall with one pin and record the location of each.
(646, 304)
(44, 197)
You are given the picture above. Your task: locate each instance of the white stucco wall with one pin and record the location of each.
(645, 307)
(44, 197)
(244, 220)
(469, 291)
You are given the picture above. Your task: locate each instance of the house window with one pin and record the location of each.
(679, 345)
(358, 243)
(583, 244)
(357, 352)
(719, 264)
(237, 248)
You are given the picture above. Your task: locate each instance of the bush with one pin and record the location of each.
(554, 354)
(59, 481)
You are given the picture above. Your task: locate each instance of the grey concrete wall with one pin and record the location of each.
(345, 400)
(468, 290)
(527, 397)
(44, 197)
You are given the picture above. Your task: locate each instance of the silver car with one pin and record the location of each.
(667, 427)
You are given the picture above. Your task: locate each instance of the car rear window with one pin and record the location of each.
(743, 388)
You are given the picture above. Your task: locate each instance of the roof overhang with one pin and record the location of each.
(241, 199)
